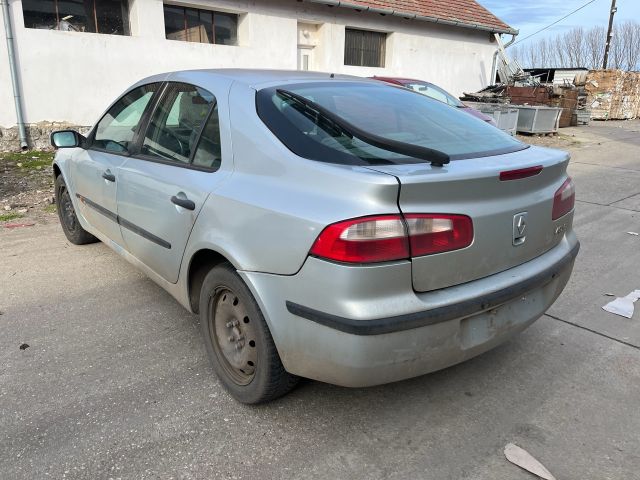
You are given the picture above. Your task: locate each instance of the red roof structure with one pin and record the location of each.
(463, 13)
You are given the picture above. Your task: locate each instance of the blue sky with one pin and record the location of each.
(531, 15)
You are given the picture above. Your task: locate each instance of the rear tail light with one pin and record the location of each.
(564, 199)
(384, 238)
(438, 233)
(363, 240)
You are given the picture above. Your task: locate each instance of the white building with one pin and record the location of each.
(73, 57)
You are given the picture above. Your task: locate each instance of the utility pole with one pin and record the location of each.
(609, 34)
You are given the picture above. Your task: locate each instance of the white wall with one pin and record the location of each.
(70, 76)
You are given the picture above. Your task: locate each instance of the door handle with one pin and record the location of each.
(183, 202)
(108, 176)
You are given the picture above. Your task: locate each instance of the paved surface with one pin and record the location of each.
(115, 383)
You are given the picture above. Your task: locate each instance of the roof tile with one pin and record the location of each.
(466, 12)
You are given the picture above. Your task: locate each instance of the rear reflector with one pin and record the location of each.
(384, 238)
(430, 233)
(564, 199)
(520, 173)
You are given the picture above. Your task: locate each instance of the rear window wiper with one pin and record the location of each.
(435, 157)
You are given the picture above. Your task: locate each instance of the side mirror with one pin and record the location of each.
(66, 139)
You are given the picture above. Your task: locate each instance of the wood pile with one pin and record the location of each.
(613, 94)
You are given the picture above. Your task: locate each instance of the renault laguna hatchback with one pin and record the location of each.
(322, 226)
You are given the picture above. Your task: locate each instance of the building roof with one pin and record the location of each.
(463, 13)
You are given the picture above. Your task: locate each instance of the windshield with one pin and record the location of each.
(433, 91)
(392, 113)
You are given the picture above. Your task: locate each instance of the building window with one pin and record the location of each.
(96, 16)
(200, 26)
(363, 48)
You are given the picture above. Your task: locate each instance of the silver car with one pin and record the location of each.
(323, 226)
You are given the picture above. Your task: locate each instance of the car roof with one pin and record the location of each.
(259, 78)
(400, 80)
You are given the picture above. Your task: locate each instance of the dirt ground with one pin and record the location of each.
(26, 189)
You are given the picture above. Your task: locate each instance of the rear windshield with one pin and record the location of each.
(389, 112)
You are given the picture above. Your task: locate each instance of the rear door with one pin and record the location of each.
(165, 184)
(94, 171)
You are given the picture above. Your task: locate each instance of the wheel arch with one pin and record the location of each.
(57, 171)
(200, 263)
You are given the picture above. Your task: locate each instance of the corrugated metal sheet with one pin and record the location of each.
(565, 76)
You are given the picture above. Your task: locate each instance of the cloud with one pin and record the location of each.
(521, 13)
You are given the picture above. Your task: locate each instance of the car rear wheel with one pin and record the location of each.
(67, 214)
(238, 340)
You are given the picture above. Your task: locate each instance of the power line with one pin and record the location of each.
(552, 24)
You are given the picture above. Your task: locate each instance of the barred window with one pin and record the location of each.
(96, 16)
(200, 26)
(363, 48)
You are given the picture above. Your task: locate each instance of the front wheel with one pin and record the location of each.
(68, 218)
(238, 340)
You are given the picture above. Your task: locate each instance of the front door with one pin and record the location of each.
(163, 187)
(305, 58)
(95, 185)
(94, 171)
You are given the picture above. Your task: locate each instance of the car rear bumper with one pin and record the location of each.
(362, 326)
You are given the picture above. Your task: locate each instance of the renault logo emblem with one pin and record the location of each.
(519, 228)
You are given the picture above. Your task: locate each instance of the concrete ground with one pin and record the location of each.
(115, 382)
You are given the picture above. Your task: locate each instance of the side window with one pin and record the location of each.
(116, 129)
(208, 154)
(176, 122)
(435, 94)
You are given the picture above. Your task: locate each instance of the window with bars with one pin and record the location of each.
(363, 48)
(96, 16)
(200, 26)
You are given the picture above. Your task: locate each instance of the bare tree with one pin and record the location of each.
(616, 50)
(594, 40)
(573, 43)
(544, 47)
(533, 57)
(581, 47)
(562, 59)
(629, 33)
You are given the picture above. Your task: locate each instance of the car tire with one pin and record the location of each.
(67, 215)
(238, 340)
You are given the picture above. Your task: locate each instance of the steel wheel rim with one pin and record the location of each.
(67, 212)
(233, 336)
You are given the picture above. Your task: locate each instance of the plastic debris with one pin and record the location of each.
(520, 457)
(623, 306)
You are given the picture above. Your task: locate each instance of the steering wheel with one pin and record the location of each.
(172, 142)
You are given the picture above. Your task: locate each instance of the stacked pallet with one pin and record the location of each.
(613, 94)
(567, 99)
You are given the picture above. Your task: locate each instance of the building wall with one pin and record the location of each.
(72, 77)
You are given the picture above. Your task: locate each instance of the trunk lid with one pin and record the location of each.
(473, 187)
